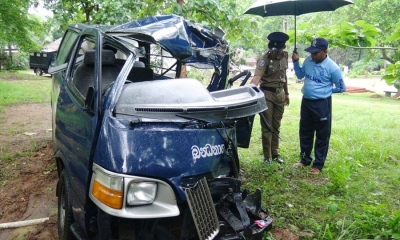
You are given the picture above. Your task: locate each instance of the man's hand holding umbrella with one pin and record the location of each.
(295, 56)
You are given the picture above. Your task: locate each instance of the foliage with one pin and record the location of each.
(203, 75)
(366, 67)
(395, 36)
(21, 30)
(18, 27)
(20, 62)
(376, 12)
(67, 12)
(380, 13)
(224, 14)
(45, 37)
(358, 34)
(392, 74)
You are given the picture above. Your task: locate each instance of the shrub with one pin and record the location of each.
(203, 75)
(20, 62)
(362, 67)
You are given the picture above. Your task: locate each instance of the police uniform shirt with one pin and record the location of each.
(272, 71)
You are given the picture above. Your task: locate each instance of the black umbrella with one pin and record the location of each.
(267, 8)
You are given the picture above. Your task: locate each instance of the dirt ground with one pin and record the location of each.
(28, 176)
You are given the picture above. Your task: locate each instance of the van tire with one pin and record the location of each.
(65, 217)
(38, 72)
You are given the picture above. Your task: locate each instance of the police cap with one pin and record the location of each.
(277, 40)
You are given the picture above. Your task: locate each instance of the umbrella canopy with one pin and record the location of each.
(267, 8)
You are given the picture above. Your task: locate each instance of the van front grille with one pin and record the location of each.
(202, 208)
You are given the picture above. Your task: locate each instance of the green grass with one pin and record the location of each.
(21, 75)
(17, 88)
(357, 196)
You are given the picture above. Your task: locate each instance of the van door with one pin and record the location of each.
(78, 117)
(244, 127)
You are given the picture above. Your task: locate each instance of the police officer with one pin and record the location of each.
(271, 75)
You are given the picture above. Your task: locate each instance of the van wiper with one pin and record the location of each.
(139, 120)
(204, 123)
(207, 124)
(192, 119)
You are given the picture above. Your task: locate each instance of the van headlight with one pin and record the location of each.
(141, 193)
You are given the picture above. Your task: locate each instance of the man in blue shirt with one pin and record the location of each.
(322, 77)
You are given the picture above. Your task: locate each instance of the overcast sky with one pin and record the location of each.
(40, 10)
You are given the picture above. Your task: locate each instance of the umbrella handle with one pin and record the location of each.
(295, 24)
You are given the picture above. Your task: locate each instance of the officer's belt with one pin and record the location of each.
(272, 89)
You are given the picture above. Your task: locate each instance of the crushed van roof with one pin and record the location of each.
(186, 41)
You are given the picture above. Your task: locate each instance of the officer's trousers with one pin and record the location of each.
(315, 119)
(273, 115)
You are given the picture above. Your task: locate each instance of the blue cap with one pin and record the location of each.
(317, 45)
(277, 40)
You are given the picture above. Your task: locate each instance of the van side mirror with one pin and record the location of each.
(88, 107)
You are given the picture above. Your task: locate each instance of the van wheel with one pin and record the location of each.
(65, 218)
(38, 72)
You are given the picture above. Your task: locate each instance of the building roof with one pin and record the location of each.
(53, 46)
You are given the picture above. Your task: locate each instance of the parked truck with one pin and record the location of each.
(40, 62)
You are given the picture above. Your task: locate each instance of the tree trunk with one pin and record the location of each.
(285, 24)
(1, 57)
(183, 72)
(10, 52)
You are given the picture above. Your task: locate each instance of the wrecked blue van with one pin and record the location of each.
(143, 152)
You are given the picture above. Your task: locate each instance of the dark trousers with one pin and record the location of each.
(315, 119)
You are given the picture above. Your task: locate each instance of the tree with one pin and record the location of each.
(17, 27)
(225, 14)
